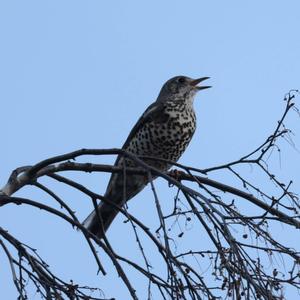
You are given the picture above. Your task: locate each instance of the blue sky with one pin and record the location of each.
(78, 74)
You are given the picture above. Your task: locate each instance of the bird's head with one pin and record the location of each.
(181, 88)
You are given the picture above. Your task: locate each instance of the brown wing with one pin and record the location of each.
(153, 112)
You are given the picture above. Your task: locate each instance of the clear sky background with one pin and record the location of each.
(78, 74)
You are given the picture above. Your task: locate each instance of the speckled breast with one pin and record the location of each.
(167, 137)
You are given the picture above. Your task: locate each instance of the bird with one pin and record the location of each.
(163, 131)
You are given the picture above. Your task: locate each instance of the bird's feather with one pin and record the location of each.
(153, 112)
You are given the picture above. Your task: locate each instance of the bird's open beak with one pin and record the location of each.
(201, 87)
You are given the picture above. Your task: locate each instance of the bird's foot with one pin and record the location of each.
(176, 174)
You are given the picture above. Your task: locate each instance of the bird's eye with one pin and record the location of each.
(181, 79)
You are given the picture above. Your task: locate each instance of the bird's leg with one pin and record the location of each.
(176, 174)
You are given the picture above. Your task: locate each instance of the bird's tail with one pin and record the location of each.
(98, 222)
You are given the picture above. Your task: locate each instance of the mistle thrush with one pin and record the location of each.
(163, 131)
